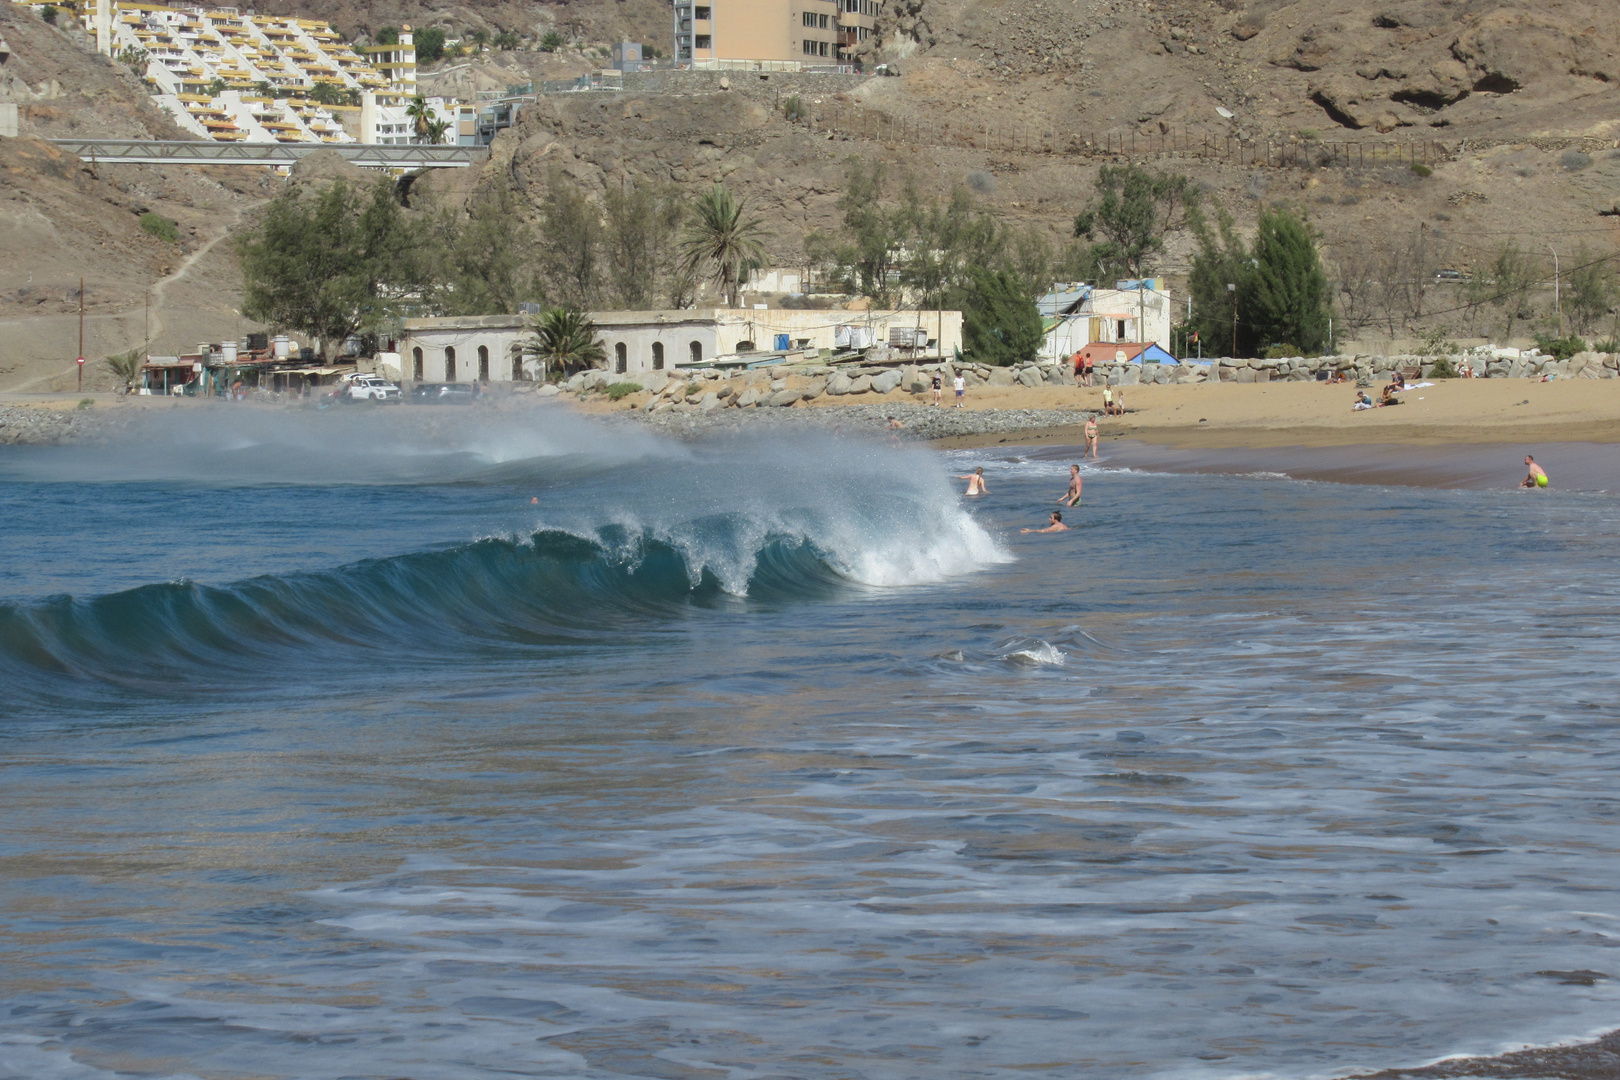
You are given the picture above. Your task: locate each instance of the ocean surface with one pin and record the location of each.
(522, 746)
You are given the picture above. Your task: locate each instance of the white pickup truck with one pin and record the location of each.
(370, 388)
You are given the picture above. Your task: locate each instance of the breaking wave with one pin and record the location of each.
(641, 543)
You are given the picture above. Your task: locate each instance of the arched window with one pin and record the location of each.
(416, 364)
(621, 358)
(744, 346)
(449, 365)
(483, 363)
(697, 352)
(658, 356)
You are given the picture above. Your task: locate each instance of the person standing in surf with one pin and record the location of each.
(1072, 498)
(1091, 437)
(975, 481)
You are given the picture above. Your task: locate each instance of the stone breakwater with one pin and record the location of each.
(24, 424)
(1495, 364)
(916, 422)
(786, 385)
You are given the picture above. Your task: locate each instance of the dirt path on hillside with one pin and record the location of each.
(174, 321)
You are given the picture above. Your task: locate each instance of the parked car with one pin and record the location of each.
(370, 388)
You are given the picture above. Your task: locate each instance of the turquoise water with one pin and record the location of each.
(326, 752)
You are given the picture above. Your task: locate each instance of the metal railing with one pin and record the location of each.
(199, 152)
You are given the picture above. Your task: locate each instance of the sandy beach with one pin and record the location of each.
(1228, 415)
(1224, 415)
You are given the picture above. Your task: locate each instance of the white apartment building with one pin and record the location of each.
(233, 77)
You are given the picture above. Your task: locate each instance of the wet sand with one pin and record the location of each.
(1597, 1060)
(1572, 466)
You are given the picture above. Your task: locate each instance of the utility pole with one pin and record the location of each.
(1232, 288)
(1558, 299)
(81, 335)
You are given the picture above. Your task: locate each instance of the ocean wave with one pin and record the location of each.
(641, 549)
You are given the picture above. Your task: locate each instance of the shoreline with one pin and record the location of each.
(1589, 1059)
(1202, 419)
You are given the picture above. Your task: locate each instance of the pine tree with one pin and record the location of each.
(1288, 303)
(1000, 323)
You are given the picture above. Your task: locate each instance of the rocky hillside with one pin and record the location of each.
(122, 228)
(1464, 68)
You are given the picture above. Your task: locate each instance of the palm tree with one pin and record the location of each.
(420, 111)
(127, 366)
(722, 238)
(435, 131)
(565, 341)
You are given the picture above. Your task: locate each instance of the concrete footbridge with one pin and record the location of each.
(200, 152)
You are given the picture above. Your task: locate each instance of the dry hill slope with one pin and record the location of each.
(61, 219)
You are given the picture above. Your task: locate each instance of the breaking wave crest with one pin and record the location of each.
(640, 551)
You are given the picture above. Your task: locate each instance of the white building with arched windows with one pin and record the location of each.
(490, 348)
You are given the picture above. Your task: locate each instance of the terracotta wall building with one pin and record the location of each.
(786, 34)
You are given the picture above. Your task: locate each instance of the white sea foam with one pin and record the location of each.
(874, 515)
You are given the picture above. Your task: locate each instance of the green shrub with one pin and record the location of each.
(551, 42)
(1560, 348)
(85, 403)
(1277, 352)
(622, 390)
(1443, 368)
(794, 110)
(1422, 169)
(429, 45)
(1610, 346)
(48, 13)
(161, 227)
(1309, 134)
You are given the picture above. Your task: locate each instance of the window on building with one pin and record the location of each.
(658, 356)
(416, 364)
(449, 365)
(621, 358)
(823, 45)
(1121, 336)
(810, 19)
(823, 22)
(704, 41)
(696, 349)
(483, 363)
(700, 13)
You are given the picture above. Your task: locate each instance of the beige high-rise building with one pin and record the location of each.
(726, 33)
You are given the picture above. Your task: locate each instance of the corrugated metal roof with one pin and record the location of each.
(1063, 298)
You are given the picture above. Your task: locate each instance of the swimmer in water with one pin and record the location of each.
(1537, 477)
(975, 481)
(1056, 525)
(1073, 496)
